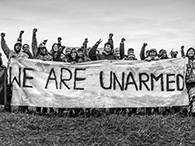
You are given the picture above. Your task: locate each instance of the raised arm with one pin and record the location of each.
(4, 46)
(92, 52)
(122, 48)
(142, 52)
(34, 43)
(20, 36)
(59, 41)
(84, 46)
(182, 51)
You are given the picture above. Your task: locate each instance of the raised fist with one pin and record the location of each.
(145, 44)
(2, 35)
(59, 38)
(44, 42)
(21, 32)
(35, 30)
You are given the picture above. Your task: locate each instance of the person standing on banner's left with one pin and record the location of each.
(16, 53)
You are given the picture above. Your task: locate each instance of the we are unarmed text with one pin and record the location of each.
(71, 79)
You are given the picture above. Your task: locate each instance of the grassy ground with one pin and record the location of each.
(19, 129)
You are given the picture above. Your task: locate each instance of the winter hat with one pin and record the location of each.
(111, 46)
(18, 43)
(162, 51)
(130, 49)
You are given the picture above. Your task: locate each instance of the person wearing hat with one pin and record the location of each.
(173, 54)
(130, 55)
(163, 54)
(16, 53)
(107, 53)
(152, 55)
(40, 52)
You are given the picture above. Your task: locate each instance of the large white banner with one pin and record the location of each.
(99, 84)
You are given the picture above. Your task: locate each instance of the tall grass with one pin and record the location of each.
(19, 129)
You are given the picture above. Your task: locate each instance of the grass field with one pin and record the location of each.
(20, 129)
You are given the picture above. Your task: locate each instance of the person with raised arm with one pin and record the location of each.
(56, 50)
(40, 52)
(107, 53)
(17, 52)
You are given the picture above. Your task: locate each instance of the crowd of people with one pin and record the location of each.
(61, 53)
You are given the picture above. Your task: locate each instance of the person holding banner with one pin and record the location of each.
(82, 57)
(73, 56)
(65, 55)
(107, 54)
(40, 52)
(16, 53)
(26, 49)
(163, 54)
(190, 78)
(152, 56)
(130, 55)
(56, 51)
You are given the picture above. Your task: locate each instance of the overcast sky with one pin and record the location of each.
(160, 23)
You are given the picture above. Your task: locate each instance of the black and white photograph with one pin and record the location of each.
(97, 73)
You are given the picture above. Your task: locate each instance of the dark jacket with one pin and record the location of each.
(36, 50)
(103, 56)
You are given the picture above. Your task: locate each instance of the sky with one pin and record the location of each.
(163, 24)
